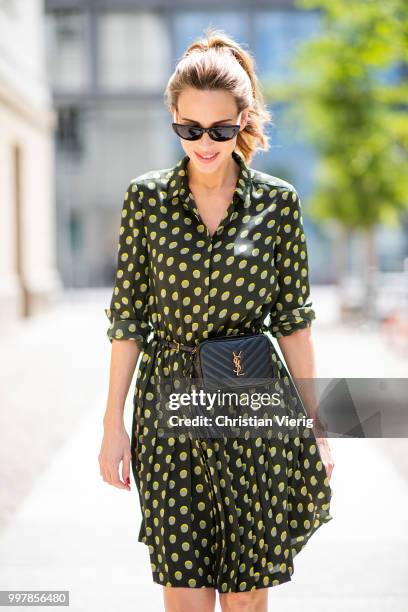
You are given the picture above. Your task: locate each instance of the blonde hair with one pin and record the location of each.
(218, 62)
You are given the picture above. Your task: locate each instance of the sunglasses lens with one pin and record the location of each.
(188, 132)
(224, 132)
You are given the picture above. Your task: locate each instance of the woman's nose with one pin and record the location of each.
(206, 138)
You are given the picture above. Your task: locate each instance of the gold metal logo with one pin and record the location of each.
(237, 363)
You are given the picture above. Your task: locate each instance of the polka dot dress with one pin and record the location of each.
(227, 513)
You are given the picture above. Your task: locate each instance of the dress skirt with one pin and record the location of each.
(227, 513)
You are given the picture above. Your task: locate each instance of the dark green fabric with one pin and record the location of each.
(229, 514)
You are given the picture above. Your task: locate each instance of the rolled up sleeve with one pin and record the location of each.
(128, 312)
(292, 309)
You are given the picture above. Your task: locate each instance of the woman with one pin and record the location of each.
(211, 247)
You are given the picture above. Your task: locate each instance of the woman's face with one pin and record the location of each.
(207, 108)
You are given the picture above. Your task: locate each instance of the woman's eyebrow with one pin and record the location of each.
(215, 122)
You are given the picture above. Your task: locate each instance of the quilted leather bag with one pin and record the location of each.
(233, 362)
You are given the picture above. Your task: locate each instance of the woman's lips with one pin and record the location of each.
(206, 159)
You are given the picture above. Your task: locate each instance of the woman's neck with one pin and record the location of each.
(224, 178)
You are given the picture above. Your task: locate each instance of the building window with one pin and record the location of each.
(67, 50)
(133, 51)
(69, 129)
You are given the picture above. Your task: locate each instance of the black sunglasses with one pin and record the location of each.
(194, 132)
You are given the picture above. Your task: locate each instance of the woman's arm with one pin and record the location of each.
(115, 445)
(298, 352)
(124, 357)
(292, 314)
(128, 331)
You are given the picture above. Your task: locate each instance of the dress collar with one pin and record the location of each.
(178, 188)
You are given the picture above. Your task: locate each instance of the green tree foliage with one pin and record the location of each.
(355, 118)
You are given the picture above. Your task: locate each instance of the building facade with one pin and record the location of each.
(28, 269)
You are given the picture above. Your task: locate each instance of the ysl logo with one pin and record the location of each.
(237, 363)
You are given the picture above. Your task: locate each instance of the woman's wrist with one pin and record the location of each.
(113, 422)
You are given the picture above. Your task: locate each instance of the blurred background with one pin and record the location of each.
(81, 113)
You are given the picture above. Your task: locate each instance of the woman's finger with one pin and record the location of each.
(126, 470)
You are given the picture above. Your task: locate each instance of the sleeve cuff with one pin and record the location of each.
(289, 321)
(127, 329)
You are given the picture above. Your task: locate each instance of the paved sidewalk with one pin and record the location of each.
(72, 531)
(54, 371)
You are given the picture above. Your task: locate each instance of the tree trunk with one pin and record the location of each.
(369, 274)
(340, 268)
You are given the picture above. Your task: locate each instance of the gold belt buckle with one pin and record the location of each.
(178, 346)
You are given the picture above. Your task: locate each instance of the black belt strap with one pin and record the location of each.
(179, 346)
(186, 347)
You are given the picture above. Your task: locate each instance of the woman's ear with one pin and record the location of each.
(244, 118)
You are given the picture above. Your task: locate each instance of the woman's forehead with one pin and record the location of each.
(214, 105)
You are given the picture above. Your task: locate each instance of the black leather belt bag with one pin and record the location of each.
(233, 361)
(230, 361)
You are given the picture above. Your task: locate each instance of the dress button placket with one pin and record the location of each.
(190, 204)
(208, 267)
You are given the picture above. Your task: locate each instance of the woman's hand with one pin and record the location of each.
(325, 453)
(114, 449)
